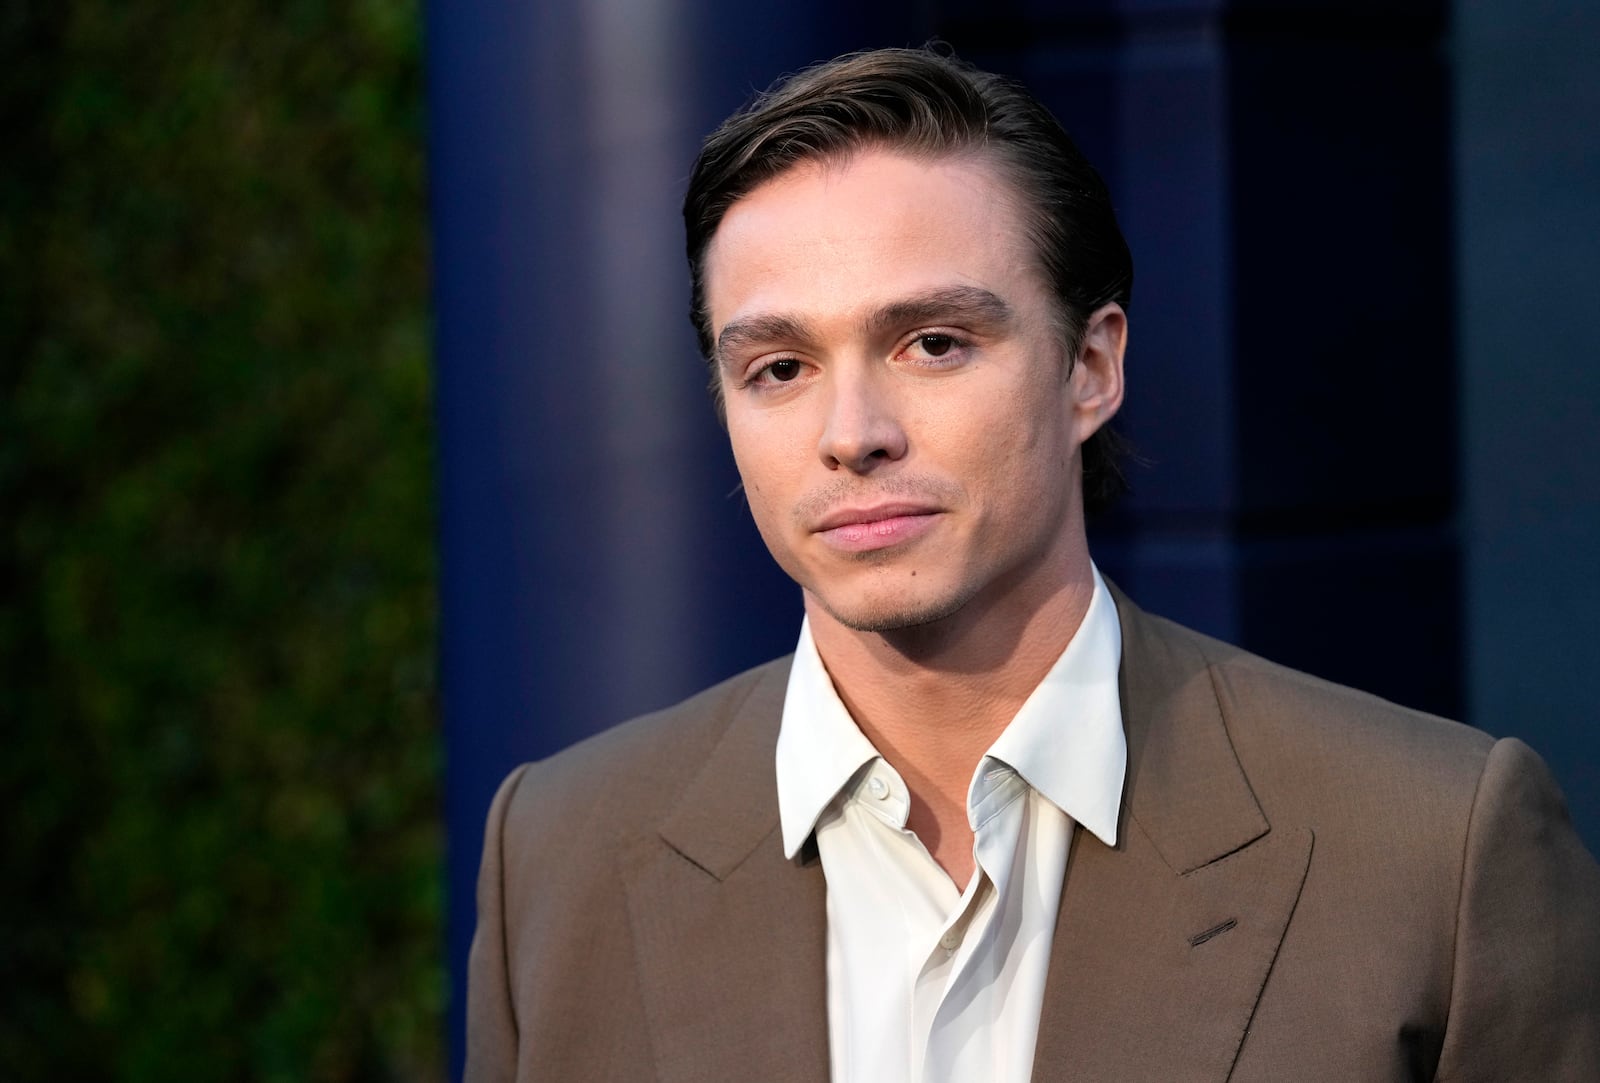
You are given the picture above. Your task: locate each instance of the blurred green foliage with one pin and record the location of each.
(219, 752)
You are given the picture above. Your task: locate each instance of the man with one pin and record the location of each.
(991, 821)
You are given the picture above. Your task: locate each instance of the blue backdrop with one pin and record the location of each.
(1360, 368)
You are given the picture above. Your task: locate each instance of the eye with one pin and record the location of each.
(782, 371)
(929, 347)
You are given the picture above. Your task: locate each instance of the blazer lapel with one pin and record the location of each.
(730, 934)
(1163, 943)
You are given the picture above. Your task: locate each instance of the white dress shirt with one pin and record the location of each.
(927, 982)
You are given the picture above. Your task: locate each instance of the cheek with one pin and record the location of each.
(1022, 422)
(750, 471)
(762, 473)
(772, 447)
(1024, 448)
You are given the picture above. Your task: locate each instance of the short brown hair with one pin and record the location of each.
(927, 102)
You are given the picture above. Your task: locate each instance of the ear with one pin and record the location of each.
(1095, 384)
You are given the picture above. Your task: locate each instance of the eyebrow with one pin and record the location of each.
(763, 327)
(959, 304)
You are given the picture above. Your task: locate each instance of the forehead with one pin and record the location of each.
(863, 228)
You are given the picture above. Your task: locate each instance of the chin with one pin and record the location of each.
(892, 614)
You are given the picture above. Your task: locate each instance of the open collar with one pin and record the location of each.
(1163, 940)
(1066, 740)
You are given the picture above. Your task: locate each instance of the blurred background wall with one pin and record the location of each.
(1528, 238)
(1362, 373)
(1361, 368)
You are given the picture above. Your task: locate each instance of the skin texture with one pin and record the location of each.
(909, 430)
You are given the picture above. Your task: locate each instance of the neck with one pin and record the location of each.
(933, 698)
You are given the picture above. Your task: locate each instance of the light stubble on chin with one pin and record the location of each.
(889, 619)
(884, 616)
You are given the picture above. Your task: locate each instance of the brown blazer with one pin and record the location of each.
(1309, 884)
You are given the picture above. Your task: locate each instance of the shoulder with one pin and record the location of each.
(1391, 795)
(1444, 860)
(553, 964)
(1310, 737)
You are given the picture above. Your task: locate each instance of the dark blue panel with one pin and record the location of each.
(1345, 321)
(1375, 609)
(1530, 198)
(1355, 17)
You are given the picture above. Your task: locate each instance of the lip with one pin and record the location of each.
(859, 530)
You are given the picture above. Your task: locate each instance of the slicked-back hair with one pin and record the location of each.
(924, 103)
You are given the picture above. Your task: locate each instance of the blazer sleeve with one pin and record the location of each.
(491, 1021)
(1525, 998)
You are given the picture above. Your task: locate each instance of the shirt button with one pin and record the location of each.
(877, 787)
(950, 940)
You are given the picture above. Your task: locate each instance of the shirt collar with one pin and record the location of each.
(1066, 741)
(820, 747)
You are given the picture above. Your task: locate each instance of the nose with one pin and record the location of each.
(863, 429)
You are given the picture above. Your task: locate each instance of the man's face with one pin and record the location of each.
(896, 390)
